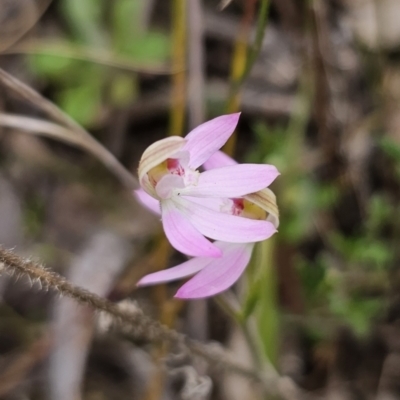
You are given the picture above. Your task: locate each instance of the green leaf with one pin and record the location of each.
(267, 312)
(380, 212)
(312, 276)
(129, 37)
(391, 148)
(153, 47)
(326, 196)
(123, 90)
(251, 300)
(357, 312)
(126, 23)
(82, 103)
(369, 251)
(84, 17)
(50, 67)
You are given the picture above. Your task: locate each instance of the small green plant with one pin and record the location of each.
(83, 88)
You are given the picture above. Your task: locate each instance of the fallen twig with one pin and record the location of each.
(136, 324)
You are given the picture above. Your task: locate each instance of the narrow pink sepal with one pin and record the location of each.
(178, 272)
(182, 235)
(149, 202)
(218, 275)
(225, 227)
(209, 137)
(218, 160)
(233, 181)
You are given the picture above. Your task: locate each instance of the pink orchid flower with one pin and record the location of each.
(190, 201)
(214, 275)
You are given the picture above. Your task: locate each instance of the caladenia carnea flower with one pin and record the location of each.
(192, 202)
(214, 275)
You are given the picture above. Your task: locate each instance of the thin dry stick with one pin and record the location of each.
(93, 55)
(43, 128)
(49, 279)
(59, 116)
(136, 324)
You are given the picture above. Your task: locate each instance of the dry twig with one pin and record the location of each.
(77, 133)
(134, 323)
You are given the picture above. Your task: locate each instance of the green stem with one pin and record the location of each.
(254, 345)
(241, 68)
(256, 47)
(259, 360)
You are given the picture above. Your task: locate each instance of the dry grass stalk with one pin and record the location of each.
(74, 133)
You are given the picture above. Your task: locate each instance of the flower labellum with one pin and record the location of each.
(192, 203)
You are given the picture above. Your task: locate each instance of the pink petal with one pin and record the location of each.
(219, 274)
(209, 137)
(234, 181)
(225, 227)
(149, 202)
(178, 272)
(167, 184)
(183, 235)
(219, 160)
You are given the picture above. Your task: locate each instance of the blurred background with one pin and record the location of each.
(318, 85)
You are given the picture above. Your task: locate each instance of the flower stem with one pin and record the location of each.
(256, 47)
(244, 58)
(230, 305)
